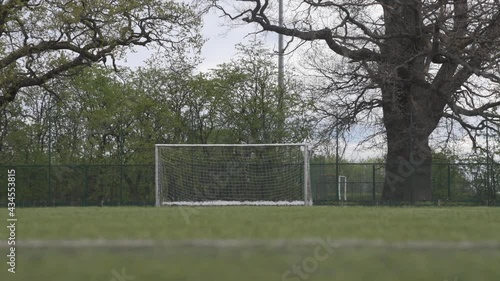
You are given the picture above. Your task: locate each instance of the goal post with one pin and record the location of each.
(232, 174)
(342, 185)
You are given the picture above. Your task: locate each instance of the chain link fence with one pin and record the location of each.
(116, 185)
(362, 183)
(82, 185)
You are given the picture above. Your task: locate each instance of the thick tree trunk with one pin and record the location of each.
(411, 113)
(410, 105)
(408, 167)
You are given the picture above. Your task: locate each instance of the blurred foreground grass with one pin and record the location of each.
(286, 262)
(256, 263)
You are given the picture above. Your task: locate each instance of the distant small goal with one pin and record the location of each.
(232, 174)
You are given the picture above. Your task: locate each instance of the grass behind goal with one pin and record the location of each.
(265, 260)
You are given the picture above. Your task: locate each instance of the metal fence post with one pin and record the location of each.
(121, 163)
(49, 183)
(50, 151)
(373, 182)
(337, 159)
(85, 184)
(121, 184)
(449, 181)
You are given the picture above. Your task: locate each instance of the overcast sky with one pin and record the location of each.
(220, 46)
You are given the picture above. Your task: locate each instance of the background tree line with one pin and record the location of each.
(104, 117)
(99, 116)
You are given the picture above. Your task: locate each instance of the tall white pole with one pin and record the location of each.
(281, 67)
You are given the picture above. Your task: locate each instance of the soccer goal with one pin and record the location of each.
(232, 174)
(342, 186)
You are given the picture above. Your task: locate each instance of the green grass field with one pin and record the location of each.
(256, 243)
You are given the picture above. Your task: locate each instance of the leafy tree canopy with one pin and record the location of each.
(45, 39)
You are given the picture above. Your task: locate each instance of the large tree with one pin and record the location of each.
(44, 39)
(417, 61)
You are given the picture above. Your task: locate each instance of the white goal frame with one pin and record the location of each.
(307, 180)
(342, 181)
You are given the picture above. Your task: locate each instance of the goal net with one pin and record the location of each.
(232, 174)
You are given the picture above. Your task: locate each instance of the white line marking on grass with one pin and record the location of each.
(246, 243)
